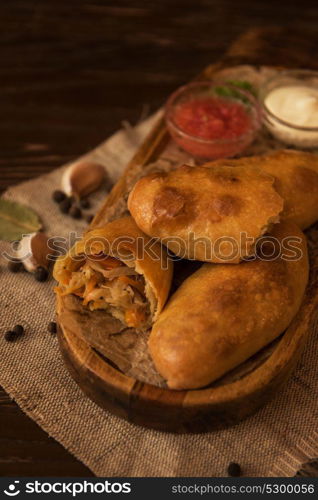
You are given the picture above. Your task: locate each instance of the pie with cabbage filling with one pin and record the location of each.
(104, 282)
(114, 278)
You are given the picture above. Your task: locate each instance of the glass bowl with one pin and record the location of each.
(289, 133)
(245, 113)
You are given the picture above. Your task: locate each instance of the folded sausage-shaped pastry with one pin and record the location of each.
(296, 180)
(211, 215)
(223, 314)
(118, 269)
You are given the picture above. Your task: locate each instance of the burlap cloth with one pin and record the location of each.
(274, 442)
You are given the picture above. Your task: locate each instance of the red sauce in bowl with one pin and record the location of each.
(211, 126)
(212, 118)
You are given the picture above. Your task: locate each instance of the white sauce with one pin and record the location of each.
(297, 105)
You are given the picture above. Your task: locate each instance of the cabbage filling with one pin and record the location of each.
(103, 282)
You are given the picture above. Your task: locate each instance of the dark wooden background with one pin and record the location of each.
(72, 71)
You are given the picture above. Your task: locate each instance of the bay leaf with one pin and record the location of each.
(16, 220)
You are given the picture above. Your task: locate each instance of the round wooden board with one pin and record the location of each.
(187, 411)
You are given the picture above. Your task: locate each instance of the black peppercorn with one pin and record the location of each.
(89, 218)
(52, 327)
(15, 265)
(234, 469)
(65, 205)
(10, 336)
(75, 212)
(41, 274)
(58, 196)
(85, 204)
(18, 330)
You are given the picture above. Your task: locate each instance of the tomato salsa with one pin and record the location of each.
(212, 118)
(211, 126)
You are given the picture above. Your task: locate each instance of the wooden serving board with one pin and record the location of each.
(229, 400)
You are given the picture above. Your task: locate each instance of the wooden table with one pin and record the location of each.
(72, 72)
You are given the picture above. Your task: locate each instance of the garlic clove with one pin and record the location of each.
(81, 179)
(34, 251)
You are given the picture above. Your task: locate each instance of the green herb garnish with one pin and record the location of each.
(231, 92)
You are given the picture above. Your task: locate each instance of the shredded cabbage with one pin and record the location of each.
(111, 285)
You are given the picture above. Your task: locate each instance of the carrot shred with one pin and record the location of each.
(89, 288)
(134, 317)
